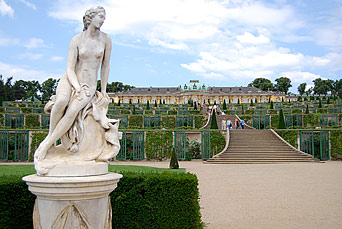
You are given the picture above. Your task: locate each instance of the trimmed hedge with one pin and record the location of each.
(32, 121)
(168, 122)
(336, 144)
(141, 200)
(136, 121)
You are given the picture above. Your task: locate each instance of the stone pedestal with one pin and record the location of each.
(72, 202)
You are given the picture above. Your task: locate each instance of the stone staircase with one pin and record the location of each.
(251, 146)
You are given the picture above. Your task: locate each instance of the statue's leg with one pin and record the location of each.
(63, 94)
(63, 125)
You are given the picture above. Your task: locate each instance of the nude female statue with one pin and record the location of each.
(76, 89)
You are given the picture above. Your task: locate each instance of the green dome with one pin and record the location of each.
(194, 85)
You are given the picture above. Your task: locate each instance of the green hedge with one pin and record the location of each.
(135, 121)
(168, 122)
(200, 121)
(141, 200)
(336, 144)
(158, 145)
(32, 121)
(217, 142)
(37, 138)
(289, 136)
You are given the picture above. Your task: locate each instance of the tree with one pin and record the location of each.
(322, 87)
(337, 85)
(33, 87)
(155, 103)
(224, 106)
(301, 88)
(174, 161)
(213, 124)
(283, 84)
(281, 120)
(252, 104)
(307, 109)
(48, 88)
(262, 83)
(20, 89)
(195, 105)
(271, 106)
(148, 105)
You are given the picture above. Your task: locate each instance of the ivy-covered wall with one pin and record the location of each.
(217, 142)
(158, 145)
(168, 122)
(336, 144)
(289, 136)
(135, 121)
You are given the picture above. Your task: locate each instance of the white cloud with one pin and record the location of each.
(29, 4)
(249, 38)
(4, 41)
(25, 73)
(300, 77)
(35, 43)
(31, 56)
(6, 9)
(56, 58)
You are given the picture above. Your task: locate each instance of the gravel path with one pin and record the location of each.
(298, 195)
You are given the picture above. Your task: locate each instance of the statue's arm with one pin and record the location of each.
(71, 64)
(105, 64)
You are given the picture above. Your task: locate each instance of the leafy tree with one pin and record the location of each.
(307, 109)
(283, 84)
(48, 88)
(301, 88)
(320, 103)
(33, 88)
(262, 83)
(309, 91)
(155, 103)
(252, 104)
(322, 87)
(281, 120)
(337, 86)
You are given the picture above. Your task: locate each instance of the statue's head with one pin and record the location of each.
(90, 14)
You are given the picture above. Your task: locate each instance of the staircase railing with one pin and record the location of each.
(251, 127)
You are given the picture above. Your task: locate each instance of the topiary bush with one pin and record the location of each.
(281, 120)
(174, 161)
(213, 123)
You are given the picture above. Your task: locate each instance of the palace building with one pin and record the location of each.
(198, 92)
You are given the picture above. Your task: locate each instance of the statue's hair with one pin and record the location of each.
(90, 14)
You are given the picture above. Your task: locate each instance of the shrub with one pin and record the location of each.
(336, 144)
(135, 121)
(141, 200)
(200, 121)
(174, 161)
(148, 112)
(158, 145)
(37, 138)
(31, 121)
(168, 122)
(281, 120)
(213, 123)
(172, 112)
(217, 142)
(26, 110)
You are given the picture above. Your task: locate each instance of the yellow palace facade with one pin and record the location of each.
(198, 92)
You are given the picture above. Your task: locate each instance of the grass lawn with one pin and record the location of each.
(29, 169)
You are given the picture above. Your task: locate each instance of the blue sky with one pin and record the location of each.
(169, 42)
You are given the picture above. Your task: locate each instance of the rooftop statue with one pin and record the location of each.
(78, 111)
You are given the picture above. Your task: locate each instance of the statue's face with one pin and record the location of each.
(98, 20)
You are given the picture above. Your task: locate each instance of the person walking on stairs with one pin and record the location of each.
(242, 122)
(237, 123)
(229, 123)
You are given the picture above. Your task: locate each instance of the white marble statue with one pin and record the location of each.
(78, 111)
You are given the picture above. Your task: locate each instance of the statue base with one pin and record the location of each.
(73, 168)
(72, 202)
